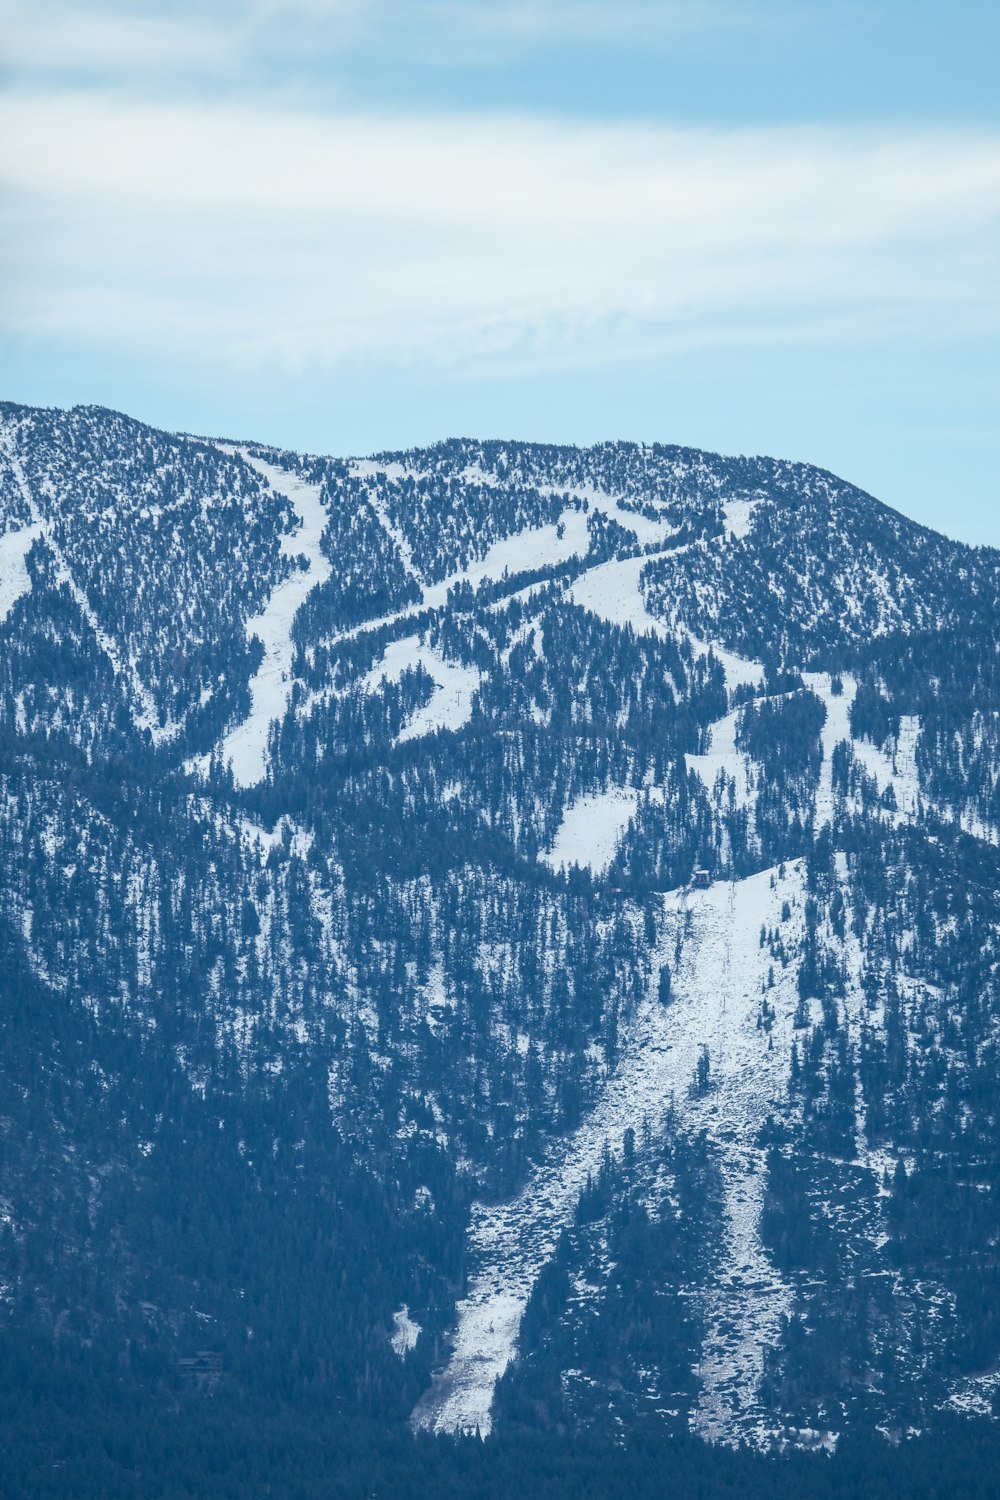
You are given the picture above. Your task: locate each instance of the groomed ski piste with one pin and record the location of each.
(718, 985)
(244, 748)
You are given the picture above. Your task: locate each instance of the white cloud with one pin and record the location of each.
(236, 234)
(55, 37)
(187, 42)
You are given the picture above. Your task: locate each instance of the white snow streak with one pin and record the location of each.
(645, 530)
(406, 1332)
(740, 671)
(723, 756)
(245, 746)
(526, 551)
(836, 728)
(366, 469)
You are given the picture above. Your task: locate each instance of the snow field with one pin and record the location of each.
(613, 592)
(646, 531)
(898, 770)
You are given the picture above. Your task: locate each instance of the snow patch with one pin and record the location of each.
(15, 580)
(737, 517)
(406, 1333)
(300, 840)
(592, 828)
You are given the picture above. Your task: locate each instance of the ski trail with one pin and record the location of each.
(145, 714)
(717, 986)
(836, 728)
(244, 748)
(365, 469)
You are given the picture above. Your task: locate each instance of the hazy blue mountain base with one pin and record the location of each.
(494, 940)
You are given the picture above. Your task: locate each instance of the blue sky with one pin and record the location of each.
(348, 225)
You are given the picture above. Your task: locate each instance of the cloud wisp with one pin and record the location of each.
(238, 234)
(187, 42)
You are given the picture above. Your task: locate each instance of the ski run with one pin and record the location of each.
(244, 748)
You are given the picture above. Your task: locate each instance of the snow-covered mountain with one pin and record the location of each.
(507, 932)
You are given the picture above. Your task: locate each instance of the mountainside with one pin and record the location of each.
(494, 937)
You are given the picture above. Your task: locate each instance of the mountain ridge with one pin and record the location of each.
(352, 811)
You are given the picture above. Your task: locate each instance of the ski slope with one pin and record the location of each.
(244, 748)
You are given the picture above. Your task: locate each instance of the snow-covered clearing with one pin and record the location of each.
(740, 671)
(717, 993)
(526, 551)
(300, 840)
(370, 468)
(455, 685)
(15, 580)
(245, 746)
(737, 517)
(613, 592)
(898, 770)
(592, 829)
